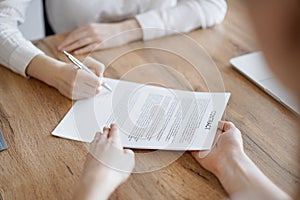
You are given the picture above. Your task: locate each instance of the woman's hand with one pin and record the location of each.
(71, 82)
(97, 36)
(228, 143)
(240, 177)
(79, 84)
(107, 165)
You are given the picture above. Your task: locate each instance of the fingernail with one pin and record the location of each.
(221, 126)
(203, 154)
(129, 151)
(97, 135)
(112, 124)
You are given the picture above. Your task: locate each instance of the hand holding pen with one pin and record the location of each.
(80, 65)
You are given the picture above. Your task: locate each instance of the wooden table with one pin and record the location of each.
(40, 166)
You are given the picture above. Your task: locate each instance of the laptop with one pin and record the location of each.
(255, 68)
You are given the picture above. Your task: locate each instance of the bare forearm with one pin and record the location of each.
(66, 78)
(241, 177)
(94, 182)
(44, 68)
(91, 190)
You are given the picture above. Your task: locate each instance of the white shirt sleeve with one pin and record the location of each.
(185, 16)
(16, 52)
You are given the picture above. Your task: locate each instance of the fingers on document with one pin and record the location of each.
(225, 126)
(110, 133)
(220, 130)
(230, 128)
(106, 131)
(96, 66)
(97, 135)
(114, 132)
(128, 151)
(114, 136)
(86, 85)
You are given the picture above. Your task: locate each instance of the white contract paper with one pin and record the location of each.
(149, 117)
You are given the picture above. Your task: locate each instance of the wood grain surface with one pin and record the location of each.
(40, 166)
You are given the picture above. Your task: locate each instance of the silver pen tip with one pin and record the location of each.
(107, 87)
(66, 53)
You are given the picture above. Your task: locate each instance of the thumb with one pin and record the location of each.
(227, 126)
(128, 151)
(203, 154)
(130, 160)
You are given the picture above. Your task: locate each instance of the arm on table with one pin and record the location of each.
(240, 177)
(184, 17)
(22, 57)
(107, 166)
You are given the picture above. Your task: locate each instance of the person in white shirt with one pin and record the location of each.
(90, 23)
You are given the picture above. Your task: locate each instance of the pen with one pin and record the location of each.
(83, 67)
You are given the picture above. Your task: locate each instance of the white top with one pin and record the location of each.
(167, 17)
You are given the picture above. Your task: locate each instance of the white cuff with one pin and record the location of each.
(21, 57)
(152, 25)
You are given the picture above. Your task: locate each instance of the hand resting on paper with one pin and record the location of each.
(107, 166)
(240, 177)
(228, 143)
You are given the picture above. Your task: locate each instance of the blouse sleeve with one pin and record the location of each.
(185, 16)
(16, 52)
